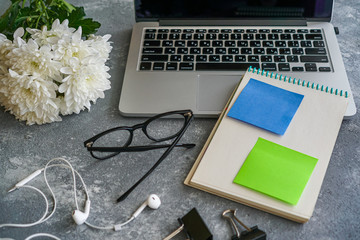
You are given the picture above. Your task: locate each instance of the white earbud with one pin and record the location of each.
(153, 202)
(79, 216)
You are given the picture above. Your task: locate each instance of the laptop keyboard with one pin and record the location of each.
(216, 49)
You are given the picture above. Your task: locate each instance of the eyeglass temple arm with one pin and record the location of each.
(138, 148)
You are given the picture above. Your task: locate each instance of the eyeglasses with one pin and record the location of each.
(157, 128)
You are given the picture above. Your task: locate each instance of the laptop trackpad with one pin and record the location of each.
(215, 90)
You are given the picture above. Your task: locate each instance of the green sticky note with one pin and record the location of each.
(276, 171)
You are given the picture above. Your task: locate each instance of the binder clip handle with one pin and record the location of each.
(230, 215)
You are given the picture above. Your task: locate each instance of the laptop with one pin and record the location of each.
(190, 54)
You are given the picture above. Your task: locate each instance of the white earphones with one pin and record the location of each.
(153, 202)
(79, 216)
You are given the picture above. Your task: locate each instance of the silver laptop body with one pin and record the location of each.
(153, 84)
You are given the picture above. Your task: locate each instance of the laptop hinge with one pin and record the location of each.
(249, 22)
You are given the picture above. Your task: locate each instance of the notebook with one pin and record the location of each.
(278, 171)
(191, 54)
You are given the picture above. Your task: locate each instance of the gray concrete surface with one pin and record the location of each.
(24, 149)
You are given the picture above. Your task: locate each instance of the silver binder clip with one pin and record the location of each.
(249, 234)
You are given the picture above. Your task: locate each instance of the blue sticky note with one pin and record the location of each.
(266, 106)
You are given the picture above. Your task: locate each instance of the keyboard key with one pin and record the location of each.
(239, 30)
(277, 31)
(211, 36)
(188, 58)
(223, 36)
(297, 51)
(297, 36)
(163, 30)
(167, 43)
(268, 67)
(220, 50)
(225, 66)
(175, 30)
(315, 51)
(152, 50)
(313, 36)
(205, 43)
(145, 66)
(180, 43)
(266, 58)
(171, 66)
(195, 50)
(186, 66)
(271, 51)
(284, 67)
(150, 30)
(255, 44)
(217, 43)
(279, 58)
(201, 30)
(285, 51)
(248, 36)
(226, 30)
(162, 36)
(319, 43)
(188, 30)
(293, 44)
(302, 31)
(280, 43)
(273, 36)
(242, 43)
(306, 43)
(259, 51)
(246, 51)
(192, 43)
(201, 58)
(320, 59)
(186, 36)
(264, 31)
(158, 66)
(175, 58)
(285, 36)
(235, 36)
(214, 58)
(213, 30)
(150, 43)
(324, 69)
(260, 36)
(251, 30)
(208, 50)
(292, 58)
(153, 58)
(289, 31)
(268, 44)
(227, 58)
(233, 50)
(230, 44)
(149, 36)
(310, 67)
(315, 30)
(240, 58)
(174, 36)
(253, 58)
(199, 36)
(297, 69)
(182, 51)
(170, 50)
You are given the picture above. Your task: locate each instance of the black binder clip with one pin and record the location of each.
(194, 227)
(249, 234)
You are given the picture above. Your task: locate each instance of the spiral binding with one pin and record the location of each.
(299, 82)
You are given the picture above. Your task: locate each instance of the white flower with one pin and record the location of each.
(54, 72)
(85, 83)
(31, 98)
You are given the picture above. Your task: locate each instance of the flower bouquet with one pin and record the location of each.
(45, 73)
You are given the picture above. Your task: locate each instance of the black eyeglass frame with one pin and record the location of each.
(188, 116)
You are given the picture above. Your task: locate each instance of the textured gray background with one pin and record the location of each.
(24, 149)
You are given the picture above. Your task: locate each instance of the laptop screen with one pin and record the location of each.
(232, 9)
